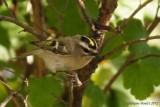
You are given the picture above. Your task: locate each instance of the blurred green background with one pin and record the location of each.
(139, 82)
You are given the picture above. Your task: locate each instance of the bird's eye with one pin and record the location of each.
(86, 50)
(89, 52)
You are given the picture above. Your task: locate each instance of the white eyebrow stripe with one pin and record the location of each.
(83, 44)
(57, 44)
(86, 46)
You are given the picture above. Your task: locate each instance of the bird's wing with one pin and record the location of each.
(54, 45)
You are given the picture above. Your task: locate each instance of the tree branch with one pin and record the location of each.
(134, 13)
(8, 88)
(85, 14)
(15, 93)
(24, 100)
(58, 15)
(38, 16)
(105, 13)
(119, 72)
(24, 26)
(6, 85)
(113, 51)
(108, 28)
(70, 94)
(10, 97)
(155, 21)
(11, 13)
(144, 57)
(39, 24)
(106, 10)
(129, 61)
(153, 25)
(124, 23)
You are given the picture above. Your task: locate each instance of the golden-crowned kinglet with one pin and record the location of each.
(65, 54)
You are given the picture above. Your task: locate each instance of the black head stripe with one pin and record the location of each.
(84, 39)
(91, 42)
(53, 43)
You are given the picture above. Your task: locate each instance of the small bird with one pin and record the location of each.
(66, 53)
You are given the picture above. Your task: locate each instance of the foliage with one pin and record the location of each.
(141, 76)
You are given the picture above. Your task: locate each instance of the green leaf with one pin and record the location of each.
(135, 30)
(95, 95)
(4, 39)
(117, 98)
(44, 92)
(155, 50)
(115, 42)
(71, 23)
(3, 92)
(102, 74)
(92, 8)
(142, 76)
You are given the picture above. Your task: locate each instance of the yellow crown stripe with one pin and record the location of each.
(90, 41)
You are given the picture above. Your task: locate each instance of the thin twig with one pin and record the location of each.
(10, 97)
(85, 14)
(153, 25)
(108, 28)
(113, 51)
(134, 13)
(122, 68)
(24, 26)
(8, 88)
(23, 99)
(58, 15)
(13, 72)
(14, 94)
(38, 17)
(123, 24)
(144, 57)
(6, 85)
(11, 13)
(158, 8)
(54, 9)
(155, 21)
(129, 61)
(25, 81)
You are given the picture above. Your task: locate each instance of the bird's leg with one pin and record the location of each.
(73, 77)
(79, 83)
